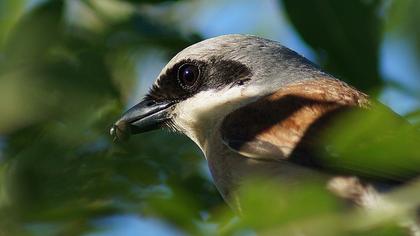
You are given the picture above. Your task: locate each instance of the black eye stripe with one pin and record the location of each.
(212, 74)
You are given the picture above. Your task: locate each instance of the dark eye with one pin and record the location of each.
(188, 75)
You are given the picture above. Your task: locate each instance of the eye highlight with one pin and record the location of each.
(188, 75)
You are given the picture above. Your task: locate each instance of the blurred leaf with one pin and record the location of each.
(34, 34)
(266, 203)
(403, 20)
(345, 34)
(374, 143)
(387, 230)
(61, 90)
(10, 11)
(150, 1)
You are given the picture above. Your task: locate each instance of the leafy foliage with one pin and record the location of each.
(345, 34)
(64, 80)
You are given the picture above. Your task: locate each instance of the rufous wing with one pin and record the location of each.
(288, 125)
(273, 126)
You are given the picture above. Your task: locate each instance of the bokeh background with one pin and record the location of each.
(69, 68)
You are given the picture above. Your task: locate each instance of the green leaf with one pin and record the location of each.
(346, 35)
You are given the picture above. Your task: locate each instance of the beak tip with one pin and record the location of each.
(120, 131)
(112, 131)
(143, 117)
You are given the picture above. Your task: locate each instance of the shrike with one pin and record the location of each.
(255, 107)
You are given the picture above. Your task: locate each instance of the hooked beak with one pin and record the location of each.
(145, 116)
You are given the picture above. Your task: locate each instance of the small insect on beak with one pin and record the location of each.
(120, 131)
(145, 116)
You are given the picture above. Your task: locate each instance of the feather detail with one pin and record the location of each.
(272, 127)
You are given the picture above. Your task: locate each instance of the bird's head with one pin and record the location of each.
(206, 81)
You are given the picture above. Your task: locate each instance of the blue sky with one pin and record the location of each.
(132, 225)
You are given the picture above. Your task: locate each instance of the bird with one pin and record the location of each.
(256, 107)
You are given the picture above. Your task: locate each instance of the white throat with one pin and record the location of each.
(200, 116)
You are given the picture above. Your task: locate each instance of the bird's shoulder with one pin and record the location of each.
(290, 124)
(272, 126)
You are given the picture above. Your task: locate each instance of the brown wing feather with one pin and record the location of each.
(256, 131)
(288, 124)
